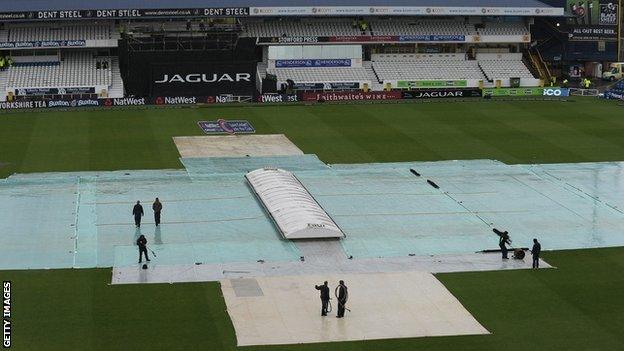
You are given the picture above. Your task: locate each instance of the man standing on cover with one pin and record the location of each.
(324, 297)
(157, 207)
(342, 295)
(137, 212)
(535, 251)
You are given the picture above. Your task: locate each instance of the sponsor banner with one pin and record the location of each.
(327, 86)
(267, 98)
(352, 96)
(558, 92)
(553, 92)
(112, 102)
(592, 33)
(405, 11)
(206, 78)
(609, 95)
(125, 13)
(420, 38)
(16, 105)
(177, 100)
(43, 44)
(441, 93)
(292, 40)
(364, 38)
(54, 91)
(309, 86)
(67, 103)
(123, 102)
(73, 103)
(431, 83)
(592, 20)
(193, 100)
(222, 126)
(313, 63)
(289, 11)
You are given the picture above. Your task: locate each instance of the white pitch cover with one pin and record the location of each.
(293, 209)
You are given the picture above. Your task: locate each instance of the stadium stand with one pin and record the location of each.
(492, 64)
(60, 31)
(322, 75)
(75, 69)
(421, 27)
(502, 28)
(390, 26)
(180, 28)
(303, 27)
(389, 67)
(503, 66)
(60, 68)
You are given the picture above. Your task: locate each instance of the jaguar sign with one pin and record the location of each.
(203, 79)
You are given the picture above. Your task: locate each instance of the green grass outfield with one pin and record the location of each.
(578, 306)
(512, 132)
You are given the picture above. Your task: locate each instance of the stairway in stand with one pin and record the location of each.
(116, 89)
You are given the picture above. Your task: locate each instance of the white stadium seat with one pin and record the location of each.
(503, 66)
(303, 27)
(314, 27)
(421, 27)
(60, 31)
(322, 75)
(428, 70)
(76, 69)
(503, 28)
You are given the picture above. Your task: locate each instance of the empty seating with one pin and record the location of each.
(76, 69)
(409, 57)
(438, 70)
(421, 27)
(304, 27)
(321, 75)
(503, 28)
(380, 27)
(503, 66)
(49, 32)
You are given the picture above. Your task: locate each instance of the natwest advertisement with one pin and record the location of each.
(176, 100)
(203, 79)
(351, 96)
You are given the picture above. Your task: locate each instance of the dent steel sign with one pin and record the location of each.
(125, 13)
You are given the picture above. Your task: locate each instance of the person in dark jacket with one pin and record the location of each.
(157, 207)
(503, 240)
(142, 243)
(137, 212)
(324, 297)
(535, 251)
(342, 294)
